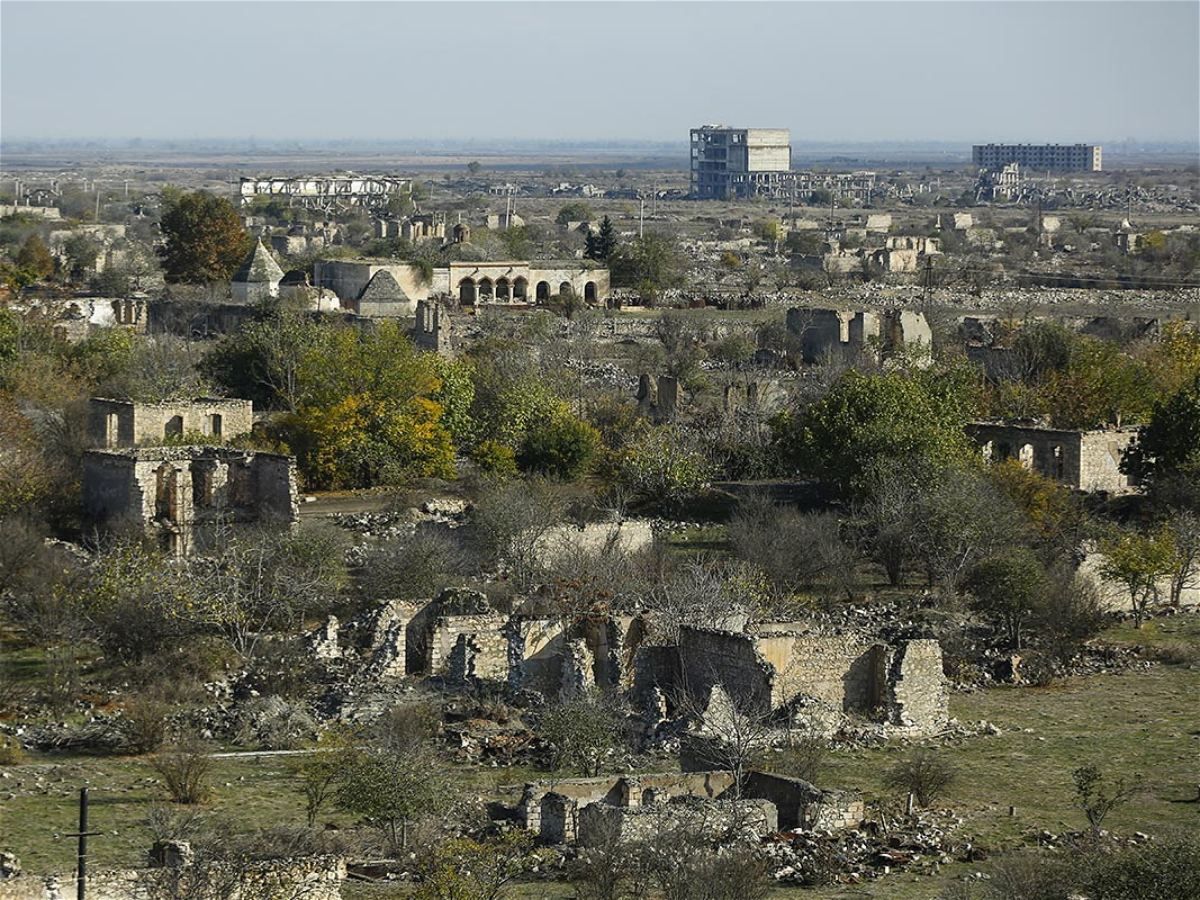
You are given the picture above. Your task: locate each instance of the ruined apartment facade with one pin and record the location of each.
(729, 162)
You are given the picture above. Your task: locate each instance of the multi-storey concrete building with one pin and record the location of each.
(1055, 157)
(728, 162)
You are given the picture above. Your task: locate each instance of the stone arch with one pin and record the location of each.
(543, 290)
(166, 493)
(1025, 456)
(565, 289)
(503, 289)
(520, 288)
(1059, 462)
(466, 291)
(589, 292)
(486, 290)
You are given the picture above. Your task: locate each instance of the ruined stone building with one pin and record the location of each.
(1054, 157)
(834, 333)
(737, 162)
(186, 496)
(1082, 460)
(258, 277)
(472, 283)
(434, 329)
(638, 807)
(124, 423)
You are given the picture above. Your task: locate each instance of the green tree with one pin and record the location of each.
(664, 467)
(1169, 442)
(1138, 562)
(1097, 796)
(474, 167)
(81, 254)
(867, 418)
(1009, 589)
(583, 732)
(650, 264)
(204, 240)
(33, 257)
(561, 448)
(367, 413)
(574, 212)
(467, 869)
(600, 246)
(392, 788)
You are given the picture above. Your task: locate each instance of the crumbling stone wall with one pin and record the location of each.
(844, 334)
(771, 667)
(1083, 460)
(185, 495)
(311, 878)
(720, 820)
(801, 805)
(572, 794)
(466, 647)
(918, 697)
(123, 423)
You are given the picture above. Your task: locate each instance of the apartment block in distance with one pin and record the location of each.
(736, 162)
(1054, 157)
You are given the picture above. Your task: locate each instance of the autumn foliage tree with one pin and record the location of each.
(368, 411)
(204, 239)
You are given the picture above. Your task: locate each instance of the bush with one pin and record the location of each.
(275, 724)
(11, 753)
(495, 459)
(144, 724)
(562, 448)
(921, 774)
(583, 732)
(1167, 869)
(185, 770)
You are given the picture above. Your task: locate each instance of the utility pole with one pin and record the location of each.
(642, 218)
(83, 834)
(926, 279)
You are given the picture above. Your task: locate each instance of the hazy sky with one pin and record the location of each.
(850, 71)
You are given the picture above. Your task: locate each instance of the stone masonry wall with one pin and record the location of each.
(314, 878)
(918, 694)
(466, 646)
(120, 423)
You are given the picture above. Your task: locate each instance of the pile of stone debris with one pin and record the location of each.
(918, 844)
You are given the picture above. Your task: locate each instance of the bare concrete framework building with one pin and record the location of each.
(1083, 460)
(728, 162)
(326, 192)
(1055, 157)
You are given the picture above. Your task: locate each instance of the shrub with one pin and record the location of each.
(11, 753)
(185, 770)
(922, 774)
(1167, 869)
(144, 724)
(562, 448)
(495, 459)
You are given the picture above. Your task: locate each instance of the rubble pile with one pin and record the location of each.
(919, 844)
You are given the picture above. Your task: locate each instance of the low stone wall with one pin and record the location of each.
(721, 820)
(316, 878)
